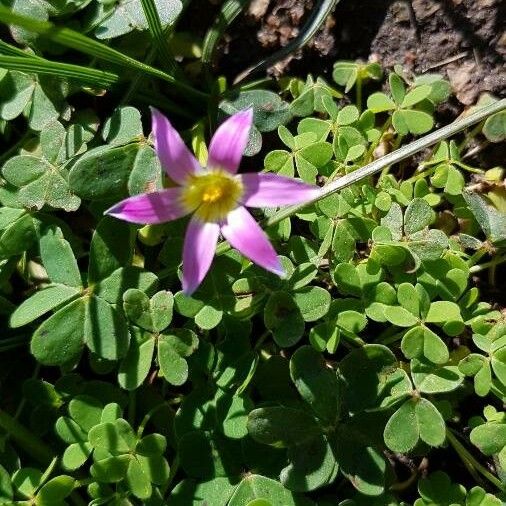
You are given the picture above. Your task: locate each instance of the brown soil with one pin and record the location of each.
(462, 39)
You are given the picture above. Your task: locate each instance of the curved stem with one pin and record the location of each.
(377, 165)
(30, 443)
(470, 462)
(316, 19)
(393, 157)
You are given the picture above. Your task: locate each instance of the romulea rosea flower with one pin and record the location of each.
(216, 195)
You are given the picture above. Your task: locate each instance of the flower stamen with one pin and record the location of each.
(212, 195)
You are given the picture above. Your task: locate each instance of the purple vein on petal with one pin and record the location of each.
(175, 157)
(229, 142)
(272, 190)
(198, 252)
(245, 235)
(156, 207)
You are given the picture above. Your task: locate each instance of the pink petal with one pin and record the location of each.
(245, 235)
(229, 142)
(156, 207)
(175, 157)
(272, 190)
(198, 252)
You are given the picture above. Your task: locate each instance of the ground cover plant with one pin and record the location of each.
(342, 342)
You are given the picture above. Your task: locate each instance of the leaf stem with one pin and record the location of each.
(79, 42)
(30, 443)
(47, 473)
(148, 417)
(470, 462)
(377, 165)
(486, 265)
(391, 158)
(316, 19)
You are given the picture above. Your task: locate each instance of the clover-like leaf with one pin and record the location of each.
(415, 420)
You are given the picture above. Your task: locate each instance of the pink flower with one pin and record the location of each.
(216, 196)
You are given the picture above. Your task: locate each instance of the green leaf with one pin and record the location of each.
(438, 489)
(348, 115)
(494, 128)
(137, 480)
(491, 220)
(105, 329)
(442, 311)
(111, 248)
(26, 481)
(111, 288)
(113, 172)
(397, 88)
(86, 411)
(123, 126)
(255, 486)
(317, 126)
(313, 302)
(59, 340)
(368, 376)
(431, 378)
(55, 490)
(153, 314)
(280, 161)
(268, 426)
(316, 383)
(58, 258)
(407, 121)
(40, 183)
(478, 497)
(75, 455)
(40, 99)
(311, 466)
(400, 316)
(156, 468)
(110, 469)
(116, 438)
(347, 280)
(216, 455)
(490, 437)
(136, 365)
(416, 419)
(310, 159)
(345, 73)
(418, 215)
(216, 491)
(422, 342)
(416, 95)
(128, 15)
(362, 464)
(18, 235)
(172, 349)
(379, 102)
(283, 317)
(40, 303)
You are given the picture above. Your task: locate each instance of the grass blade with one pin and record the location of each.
(75, 40)
(376, 166)
(159, 36)
(228, 12)
(394, 157)
(317, 17)
(90, 76)
(9, 50)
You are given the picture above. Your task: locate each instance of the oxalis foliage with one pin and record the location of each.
(374, 373)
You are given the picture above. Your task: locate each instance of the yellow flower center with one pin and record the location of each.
(212, 195)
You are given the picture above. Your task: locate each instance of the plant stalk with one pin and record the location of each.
(30, 443)
(469, 461)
